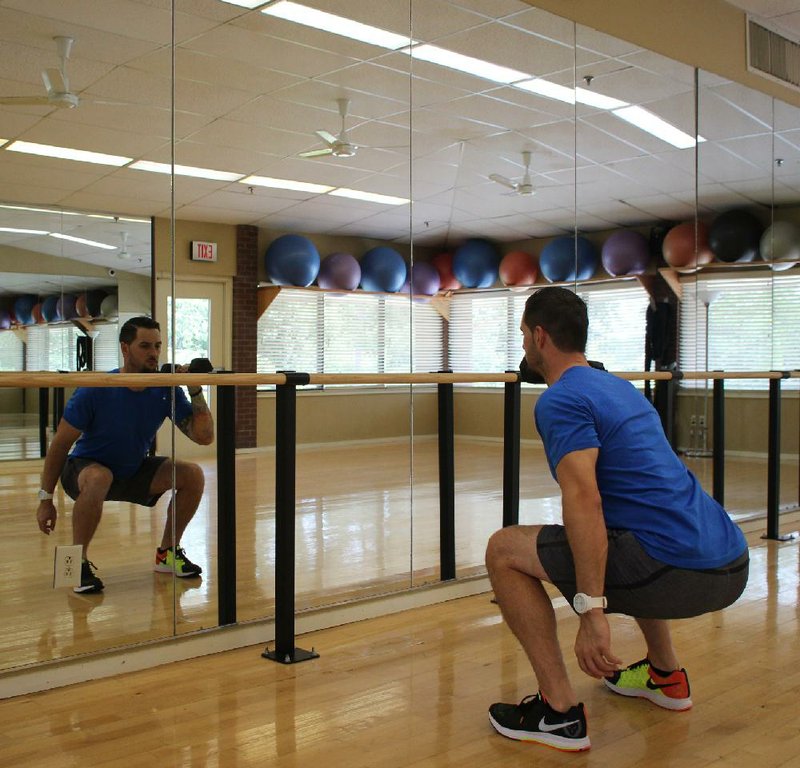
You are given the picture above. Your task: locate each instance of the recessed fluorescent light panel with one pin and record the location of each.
(64, 153)
(654, 125)
(594, 99)
(337, 25)
(549, 90)
(15, 231)
(468, 64)
(245, 3)
(369, 197)
(186, 170)
(82, 241)
(295, 186)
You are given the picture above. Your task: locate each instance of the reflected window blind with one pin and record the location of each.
(12, 352)
(752, 325)
(413, 336)
(478, 333)
(288, 334)
(352, 330)
(105, 349)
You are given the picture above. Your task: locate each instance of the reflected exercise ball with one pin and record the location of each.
(5, 319)
(36, 312)
(81, 310)
(518, 268)
(383, 269)
(444, 265)
(109, 307)
(94, 300)
(66, 306)
(679, 245)
(625, 253)
(339, 270)
(735, 236)
(292, 260)
(780, 245)
(475, 263)
(23, 308)
(424, 278)
(565, 259)
(49, 309)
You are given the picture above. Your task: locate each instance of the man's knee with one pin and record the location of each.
(190, 476)
(95, 479)
(501, 550)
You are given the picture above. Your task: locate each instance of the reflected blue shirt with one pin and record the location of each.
(118, 424)
(645, 488)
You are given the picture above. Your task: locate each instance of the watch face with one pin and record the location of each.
(580, 603)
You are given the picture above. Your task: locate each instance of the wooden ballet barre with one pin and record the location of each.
(411, 378)
(94, 379)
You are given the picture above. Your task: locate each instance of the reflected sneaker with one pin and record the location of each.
(641, 680)
(533, 719)
(89, 582)
(174, 560)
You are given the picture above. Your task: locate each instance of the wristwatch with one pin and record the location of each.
(584, 603)
(44, 495)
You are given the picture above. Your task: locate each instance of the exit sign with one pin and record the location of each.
(204, 251)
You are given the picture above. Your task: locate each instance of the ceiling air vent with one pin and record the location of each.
(773, 55)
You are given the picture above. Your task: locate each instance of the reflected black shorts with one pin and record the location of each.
(641, 586)
(135, 488)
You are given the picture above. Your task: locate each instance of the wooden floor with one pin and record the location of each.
(411, 690)
(362, 529)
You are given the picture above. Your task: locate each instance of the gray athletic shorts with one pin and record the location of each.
(135, 489)
(641, 586)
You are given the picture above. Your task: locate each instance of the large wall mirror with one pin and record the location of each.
(562, 154)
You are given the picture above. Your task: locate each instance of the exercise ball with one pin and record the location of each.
(475, 263)
(780, 245)
(383, 269)
(66, 306)
(5, 319)
(518, 268)
(339, 270)
(23, 308)
(94, 300)
(36, 312)
(424, 278)
(292, 260)
(625, 253)
(444, 266)
(735, 236)
(49, 309)
(565, 259)
(80, 306)
(679, 245)
(109, 306)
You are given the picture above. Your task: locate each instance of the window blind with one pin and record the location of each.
(12, 352)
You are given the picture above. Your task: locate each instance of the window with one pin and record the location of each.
(54, 347)
(485, 335)
(12, 351)
(746, 323)
(319, 332)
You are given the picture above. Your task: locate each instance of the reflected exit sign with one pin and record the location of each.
(204, 251)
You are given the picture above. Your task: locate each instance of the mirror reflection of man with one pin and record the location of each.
(110, 431)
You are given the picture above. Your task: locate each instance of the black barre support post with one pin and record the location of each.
(226, 504)
(285, 471)
(718, 460)
(511, 418)
(447, 483)
(44, 413)
(774, 462)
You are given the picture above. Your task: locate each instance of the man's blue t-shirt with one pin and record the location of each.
(645, 488)
(119, 424)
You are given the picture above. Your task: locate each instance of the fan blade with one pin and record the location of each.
(503, 180)
(328, 138)
(317, 152)
(21, 101)
(55, 81)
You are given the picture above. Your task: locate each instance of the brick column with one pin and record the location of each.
(245, 316)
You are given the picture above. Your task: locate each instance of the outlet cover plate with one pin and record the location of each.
(67, 566)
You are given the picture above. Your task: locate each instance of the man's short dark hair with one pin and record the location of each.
(562, 314)
(131, 327)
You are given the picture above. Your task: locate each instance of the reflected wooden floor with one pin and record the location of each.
(411, 691)
(363, 528)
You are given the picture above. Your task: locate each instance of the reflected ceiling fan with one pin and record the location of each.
(522, 187)
(338, 146)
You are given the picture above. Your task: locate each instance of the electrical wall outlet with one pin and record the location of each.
(693, 420)
(701, 421)
(67, 566)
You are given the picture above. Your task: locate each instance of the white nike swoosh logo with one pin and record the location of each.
(547, 727)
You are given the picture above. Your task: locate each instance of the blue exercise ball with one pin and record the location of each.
(94, 300)
(383, 269)
(23, 308)
(735, 236)
(625, 253)
(565, 259)
(339, 270)
(292, 260)
(50, 309)
(66, 306)
(475, 263)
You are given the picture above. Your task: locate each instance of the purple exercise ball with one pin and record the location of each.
(339, 270)
(424, 279)
(625, 253)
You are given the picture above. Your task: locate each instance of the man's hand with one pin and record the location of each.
(46, 516)
(593, 646)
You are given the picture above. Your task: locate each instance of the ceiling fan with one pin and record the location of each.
(56, 83)
(524, 185)
(338, 146)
